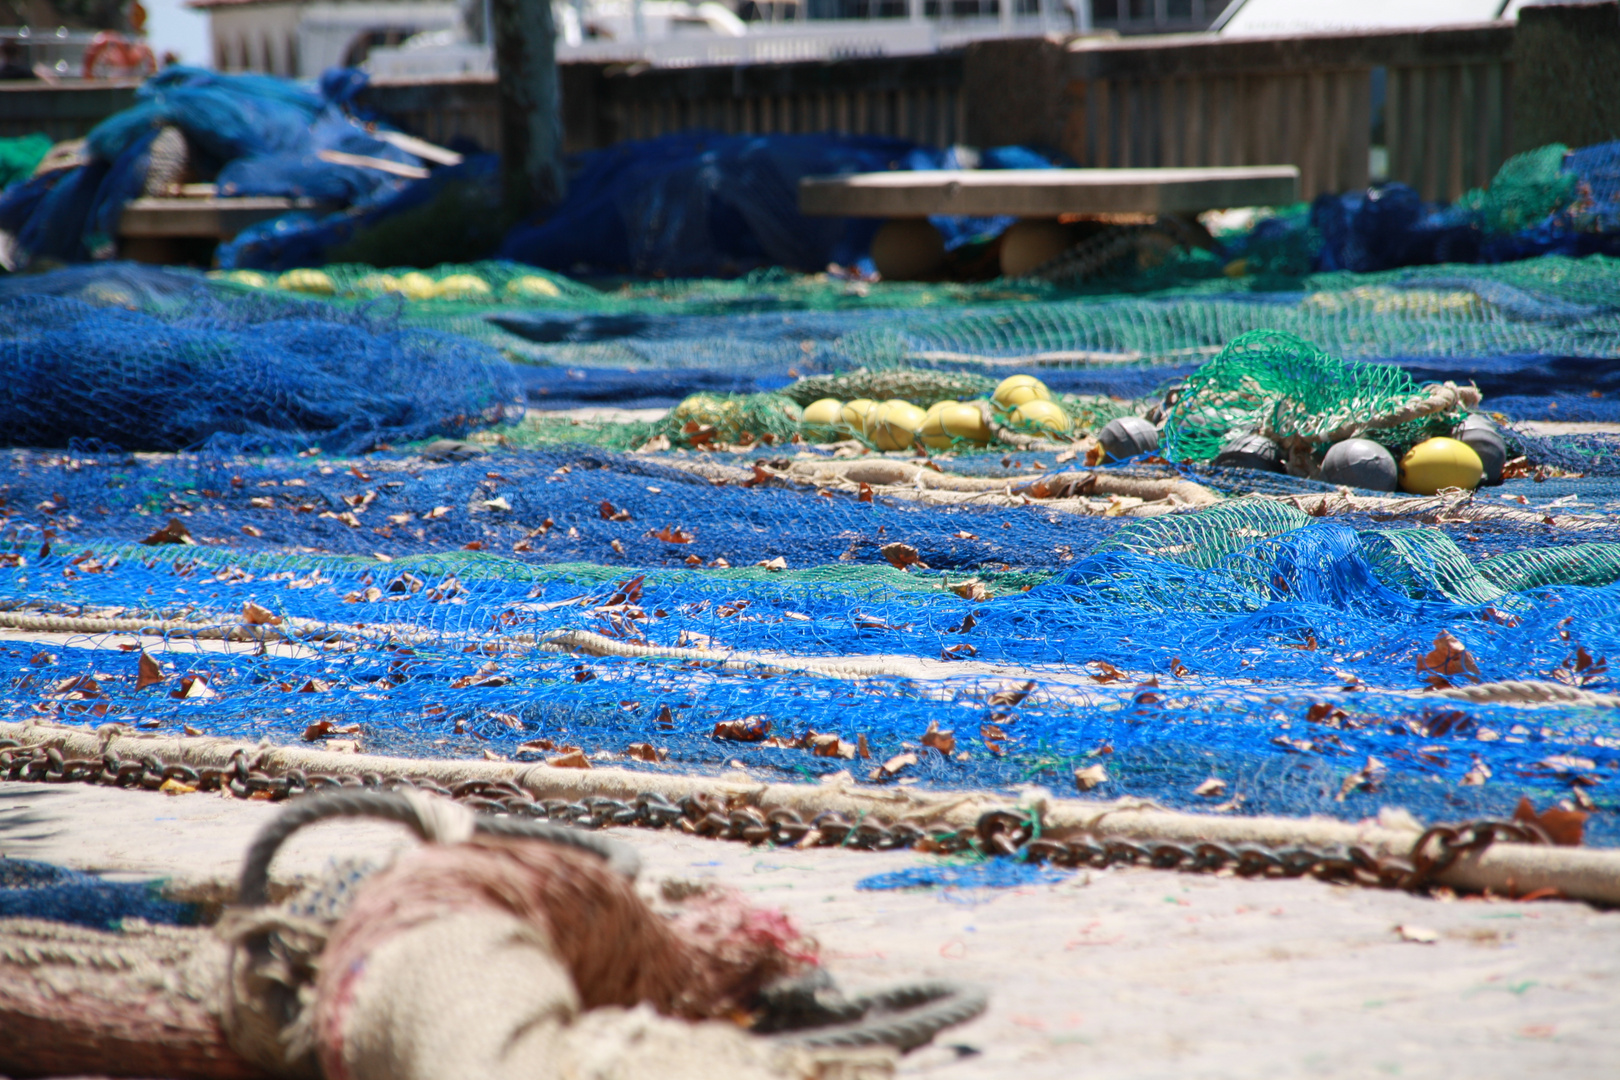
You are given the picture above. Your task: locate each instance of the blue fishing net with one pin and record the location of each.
(1249, 642)
(279, 371)
(39, 890)
(996, 874)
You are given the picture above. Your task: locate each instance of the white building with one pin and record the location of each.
(302, 38)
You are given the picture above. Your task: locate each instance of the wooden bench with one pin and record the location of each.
(1047, 193)
(187, 228)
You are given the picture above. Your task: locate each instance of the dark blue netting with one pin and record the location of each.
(279, 372)
(37, 890)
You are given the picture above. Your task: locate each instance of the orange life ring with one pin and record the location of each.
(110, 56)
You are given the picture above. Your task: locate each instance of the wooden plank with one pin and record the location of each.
(1202, 54)
(364, 161)
(217, 219)
(1047, 192)
(1357, 165)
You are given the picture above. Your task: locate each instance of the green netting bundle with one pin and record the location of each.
(19, 157)
(1284, 387)
(916, 385)
(1527, 188)
(1203, 538)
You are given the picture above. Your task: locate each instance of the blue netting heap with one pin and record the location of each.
(37, 890)
(1546, 201)
(272, 371)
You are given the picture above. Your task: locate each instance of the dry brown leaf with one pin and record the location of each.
(193, 688)
(1107, 673)
(436, 513)
(943, 741)
(670, 534)
(865, 493)
(173, 533)
(901, 556)
(575, 760)
(1367, 778)
(315, 686)
(748, 729)
(1006, 699)
(971, 589)
(893, 766)
(1564, 827)
(1477, 775)
(1448, 657)
(149, 673)
(1213, 788)
(253, 531)
(1089, 777)
(776, 564)
(1420, 935)
(172, 786)
(646, 752)
(254, 615)
(320, 729)
(830, 746)
(608, 513)
(861, 748)
(957, 652)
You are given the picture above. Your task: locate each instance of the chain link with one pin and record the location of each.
(997, 832)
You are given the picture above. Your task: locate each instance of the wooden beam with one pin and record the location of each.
(1047, 192)
(215, 219)
(525, 39)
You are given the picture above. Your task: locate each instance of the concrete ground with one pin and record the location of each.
(1123, 973)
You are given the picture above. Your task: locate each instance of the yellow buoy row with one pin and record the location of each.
(413, 285)
(1024, 401)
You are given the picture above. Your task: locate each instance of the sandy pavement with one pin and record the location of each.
(1132, 974)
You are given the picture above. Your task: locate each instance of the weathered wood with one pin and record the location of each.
(1047, 192)
(1567, 75)
(67, 110)
(214, 219)
(1200, 55)
(525, 39)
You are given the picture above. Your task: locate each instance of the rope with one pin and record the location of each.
(69, 624)
(904, 1017)
(1529, 692)
(254, 889)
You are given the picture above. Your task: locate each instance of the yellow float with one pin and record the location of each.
(855, 412)
(418, 286)
(907, 249)
(531, 287)
(1015, 390)
(1440, 463)
(461, 287)
(951, 421)
(306, 281)
(1041, 415)
(894, 424)
(823, 418)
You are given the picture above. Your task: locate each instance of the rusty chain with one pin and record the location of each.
(997, 832)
